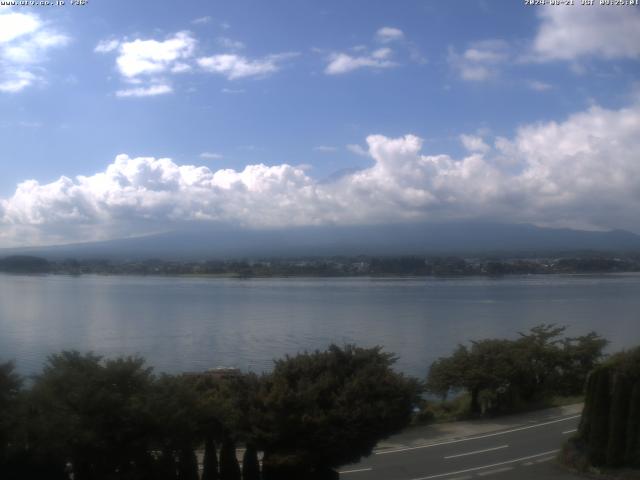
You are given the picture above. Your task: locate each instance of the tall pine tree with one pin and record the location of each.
(229, 468)
(210, 461)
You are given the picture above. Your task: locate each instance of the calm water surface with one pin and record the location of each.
(182, 324)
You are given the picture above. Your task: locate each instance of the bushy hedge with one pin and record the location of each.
(100, 419)
(610, 427)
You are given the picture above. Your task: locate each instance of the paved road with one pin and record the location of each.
(524, 451)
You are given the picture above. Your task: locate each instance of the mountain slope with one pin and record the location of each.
(400, 239)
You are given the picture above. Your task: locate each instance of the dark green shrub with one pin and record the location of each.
(250, 464)
(229, 468)
(210, 461)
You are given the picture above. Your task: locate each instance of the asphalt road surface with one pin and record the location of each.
(521, 452)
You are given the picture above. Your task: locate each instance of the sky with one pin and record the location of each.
(123, 118)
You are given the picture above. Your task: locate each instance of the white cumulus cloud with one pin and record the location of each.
(24, 43)
(201, 20)
(598, 31)
(230, 43)
(389, 49)
(539, 86)
(357, 149)
(581, 172)
(235, 66)
(480, 61)
(325, 149)
(145, 65)
(106, 46)
(211, 156)
(474, 143)
(152, 57)
(389, 34)
(149, 91)
(340, 63)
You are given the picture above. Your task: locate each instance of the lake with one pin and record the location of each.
(190, 324)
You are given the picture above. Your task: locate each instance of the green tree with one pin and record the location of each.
(325, 409)
(486, 371)
(632, 449)
(599, 429)
(187, 464)
(250, 464)
(92, 414)
(541, 359)
(610, 425)
(174, 405)
(10, 390)
(448, 373)
(499, 374)
(581, 355)
(229, 468)
(618, 418)
(210, 460)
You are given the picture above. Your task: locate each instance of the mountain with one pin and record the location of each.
(454, 238)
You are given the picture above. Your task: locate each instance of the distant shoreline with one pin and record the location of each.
(332, 267)
(314, 277)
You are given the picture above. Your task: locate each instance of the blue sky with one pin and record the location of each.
(451, 90)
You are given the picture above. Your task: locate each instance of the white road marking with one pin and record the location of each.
(515, 460)
(477, 451)
(466, 477)
(493, 472)
(541, 460)
(570, 431)
(355, 471)
(448, 442)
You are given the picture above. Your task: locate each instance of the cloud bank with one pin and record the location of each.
(582, 172)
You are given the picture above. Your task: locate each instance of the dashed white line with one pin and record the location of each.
(569, 431)
(448, 442)
(344, 472)
(547, 459)
(515, 460)
(476, 452)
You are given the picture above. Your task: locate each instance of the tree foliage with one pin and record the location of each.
(210, 460)
(10, 390)
(250, 464)
(610, 424)
(500, 374)
(325, 409)
(229, 467)
(93, 414)
(105, 419)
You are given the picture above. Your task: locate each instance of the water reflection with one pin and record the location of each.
(195, 323)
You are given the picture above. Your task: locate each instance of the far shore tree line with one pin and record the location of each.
(86, 418)
(410, 265)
